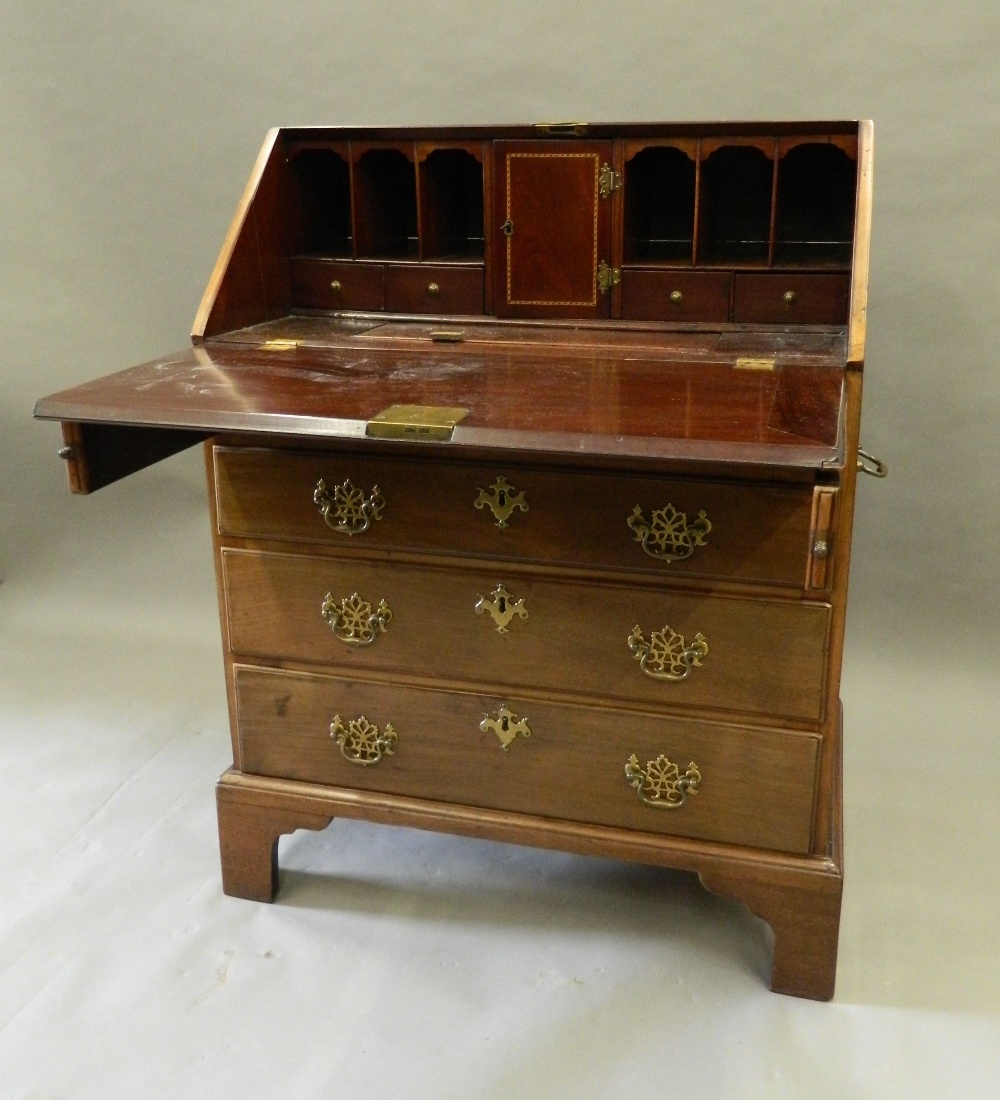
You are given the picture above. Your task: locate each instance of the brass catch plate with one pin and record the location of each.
(749, 363)
(415, 422)
(280, 345)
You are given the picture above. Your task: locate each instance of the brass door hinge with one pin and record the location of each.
(609, 180)
(607, 277)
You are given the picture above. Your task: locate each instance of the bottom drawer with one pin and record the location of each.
(733, 784)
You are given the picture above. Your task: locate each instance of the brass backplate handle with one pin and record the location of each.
(668, 536)
(506, 725)
(348, 510)
(353, 620)
(660, 783)
(501, 498)
(869, 464)
(666, 656)
(362, 742)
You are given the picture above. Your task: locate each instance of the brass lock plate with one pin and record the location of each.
(416, 422)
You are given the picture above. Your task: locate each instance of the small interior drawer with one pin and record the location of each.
(657, 295)
(434, 288)
(802, 299)
(337, 284)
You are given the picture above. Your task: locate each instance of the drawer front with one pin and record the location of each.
(434, 288)
(330, 284)
(651, 295)
(802, 299)
(757, 533)
(751, 786)
(765, 657)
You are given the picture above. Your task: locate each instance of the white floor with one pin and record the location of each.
(402, 964)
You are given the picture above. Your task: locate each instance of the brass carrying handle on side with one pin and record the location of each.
(869, 464)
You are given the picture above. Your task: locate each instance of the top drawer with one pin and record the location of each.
(674, 527)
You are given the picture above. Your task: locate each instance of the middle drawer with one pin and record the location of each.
(577, 638)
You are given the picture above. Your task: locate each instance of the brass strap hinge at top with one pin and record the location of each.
(608, 181)
(607, 277)
(558, 128)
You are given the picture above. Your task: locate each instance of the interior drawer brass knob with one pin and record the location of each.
(660, 783)
(433, 288)
(362, 742)
(347, 509)
(353, 620)
(502, 499)
(676, 297)
(668, 536)
(789, 296)
(335, 286)
(666, 656)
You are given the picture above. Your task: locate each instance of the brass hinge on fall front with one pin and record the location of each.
(415, 422)
(607, 277)
(609, 180)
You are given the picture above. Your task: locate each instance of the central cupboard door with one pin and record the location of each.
(552, 227)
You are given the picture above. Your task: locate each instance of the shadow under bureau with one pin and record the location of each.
(531, 457)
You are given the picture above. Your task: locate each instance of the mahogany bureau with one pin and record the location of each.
(531, 458)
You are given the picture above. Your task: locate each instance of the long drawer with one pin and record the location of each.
(748, 533)
(752, 656)
(740, 785)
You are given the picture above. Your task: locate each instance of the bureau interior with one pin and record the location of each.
(688, 214)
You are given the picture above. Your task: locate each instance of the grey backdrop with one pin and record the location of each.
(129, 131)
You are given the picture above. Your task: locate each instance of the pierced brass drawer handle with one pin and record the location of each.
(668, 536)
(665, 656)
(362, 742)
(501, 498)
(353, 620)
(347, 510)
(506, 725)
(660, 783)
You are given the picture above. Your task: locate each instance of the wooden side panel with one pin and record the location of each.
(858, 311)
(235, 295)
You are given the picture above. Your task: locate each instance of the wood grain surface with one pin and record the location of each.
(766, 657)
(756, 787)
